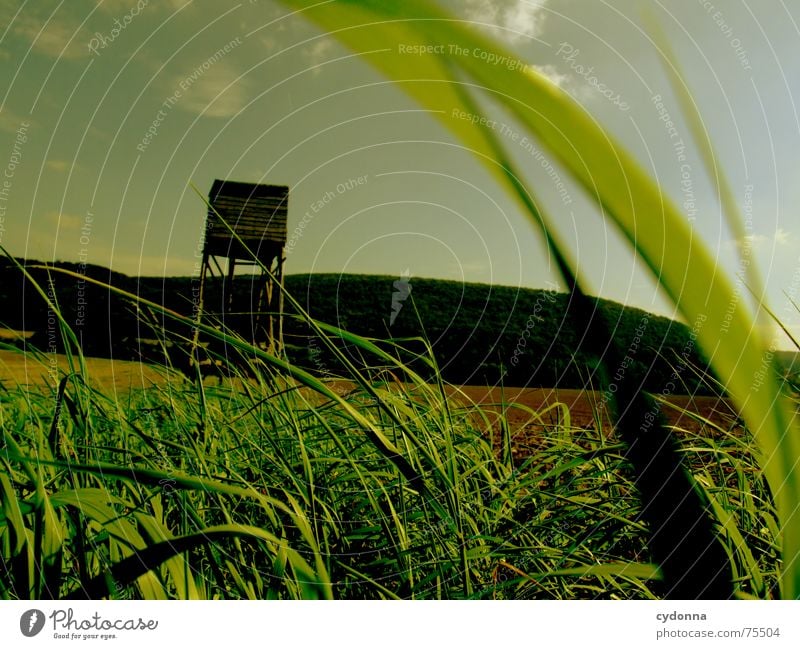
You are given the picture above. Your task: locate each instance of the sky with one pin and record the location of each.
(114, 114)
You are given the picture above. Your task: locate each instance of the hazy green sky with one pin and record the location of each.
(110, 110)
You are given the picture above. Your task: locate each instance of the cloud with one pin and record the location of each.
(551, 72)
(513, 20)
(125, 6)
(54, 30)
(64, 221)
(180, 4)
(50, 28)
(10, 121)
(268, 43)
(115, 6)
(318, 53)
(219, 92)
(56, 37)
(59, 166)
(780, 237)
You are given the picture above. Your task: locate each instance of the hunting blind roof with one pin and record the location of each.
(256, 213)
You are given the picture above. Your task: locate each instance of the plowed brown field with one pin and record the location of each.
(529, 411)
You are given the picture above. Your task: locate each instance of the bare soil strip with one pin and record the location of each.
(28, 371)
(585, 408)
(552, 407)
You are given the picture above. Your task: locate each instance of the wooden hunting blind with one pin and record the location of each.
(246, 226)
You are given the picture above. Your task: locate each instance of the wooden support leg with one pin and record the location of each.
(194, 359)
(228, 289)
(279, 278)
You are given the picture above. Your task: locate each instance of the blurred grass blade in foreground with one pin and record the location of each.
(382, 32)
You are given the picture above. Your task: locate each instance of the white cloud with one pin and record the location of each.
(318, 53)
(57, 37)
(203, 97)
(115, 6)
(269, 43)
(59, 166)
(513, 20)
(780, 237)
(126, 6)
(551, 72)
(64, 221)
(10, 121)
(53, 29)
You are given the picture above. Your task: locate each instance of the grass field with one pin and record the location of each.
(152, 486)
(19, 369)
(383, 481)
(550, 405)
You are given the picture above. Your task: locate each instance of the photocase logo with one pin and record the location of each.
(31, 622)
(402, 289)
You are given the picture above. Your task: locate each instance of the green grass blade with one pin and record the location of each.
(131, 568)
(650, 221)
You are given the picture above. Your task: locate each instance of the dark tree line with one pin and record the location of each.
(479, 333)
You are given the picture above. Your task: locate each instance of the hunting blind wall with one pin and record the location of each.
(246, 226)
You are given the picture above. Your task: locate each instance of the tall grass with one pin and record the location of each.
(624, 194)
(270, 485)
(277, 483)
(271, 488)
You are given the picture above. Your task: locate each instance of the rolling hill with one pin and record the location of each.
(478, 333)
